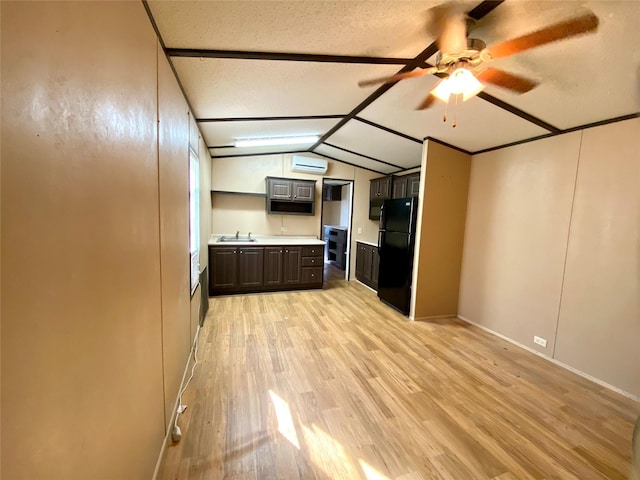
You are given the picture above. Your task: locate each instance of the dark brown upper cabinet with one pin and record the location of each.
(290, 196)
(413, 185)
(399, 189)
(379, 191)
(406, 186)
(332, 193)
(380, 188)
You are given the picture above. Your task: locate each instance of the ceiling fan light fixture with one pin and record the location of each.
(460, 82)
(274, 141)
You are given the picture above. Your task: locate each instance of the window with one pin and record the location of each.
(194, 217)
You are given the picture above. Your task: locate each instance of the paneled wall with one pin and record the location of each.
(599, 321)
(441, 222)
(94, 196)
(551, 249)
(173, 154)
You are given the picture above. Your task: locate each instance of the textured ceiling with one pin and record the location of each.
(268, 59)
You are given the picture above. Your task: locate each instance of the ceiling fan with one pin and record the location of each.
(461, 62)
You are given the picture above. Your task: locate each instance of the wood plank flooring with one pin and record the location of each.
(332, 384)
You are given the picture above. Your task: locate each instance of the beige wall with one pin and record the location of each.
(173, 157)
(521, 229)
(438, 256)
(89, 207)
(232, 212)
(599, 322)
(247, 213)
(331, 213)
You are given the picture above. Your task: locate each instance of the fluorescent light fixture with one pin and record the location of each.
(271, 141)
(461, 81)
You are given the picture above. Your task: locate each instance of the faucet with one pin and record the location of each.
(237, 233)
(249, 236)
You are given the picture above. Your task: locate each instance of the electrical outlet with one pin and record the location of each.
(540, 341)
(359, 230)
(283, 228)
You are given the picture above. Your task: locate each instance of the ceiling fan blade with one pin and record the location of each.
(448, 23)
(576, 26)
(506, 80)
(427, 102)
(398, 77)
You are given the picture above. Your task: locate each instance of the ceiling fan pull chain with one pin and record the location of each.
(455, 112)
(446, 108)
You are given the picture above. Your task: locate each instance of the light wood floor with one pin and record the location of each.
(332, 384)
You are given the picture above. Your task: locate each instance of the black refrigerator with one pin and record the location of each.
(396, 241)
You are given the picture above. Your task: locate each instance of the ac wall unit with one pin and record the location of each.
(308, 165)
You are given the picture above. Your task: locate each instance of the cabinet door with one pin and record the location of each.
(360, 261)
(250, 266)
(292, 265)
(368, 263)
(399, 187)
(273, 265)
(280, 189)
(385, 187)
(373, 189)
(304, 191)
(413, 185)
(375, 267)
(223, 268)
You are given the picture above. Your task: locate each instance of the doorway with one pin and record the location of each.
(335, 224)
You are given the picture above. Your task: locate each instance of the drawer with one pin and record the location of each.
(312, 275)
(309, 251)
(312, 261)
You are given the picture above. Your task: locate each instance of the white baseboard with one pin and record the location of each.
(169, 426)
(364, 285)
(434, 317)
(552, 360)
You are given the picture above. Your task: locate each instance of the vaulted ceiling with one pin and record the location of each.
(278, 68)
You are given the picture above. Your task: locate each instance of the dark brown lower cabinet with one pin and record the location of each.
(292, 265)
(312, 266)
(250, 266)
(223, 268)
(257, 269)
(367, 264)
(273, 257)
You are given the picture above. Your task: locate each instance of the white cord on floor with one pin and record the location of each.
(181, 408)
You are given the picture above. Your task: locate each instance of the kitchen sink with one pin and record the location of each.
(236, 239)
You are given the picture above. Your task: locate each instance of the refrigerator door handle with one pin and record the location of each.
(380, 234)
(381, 221)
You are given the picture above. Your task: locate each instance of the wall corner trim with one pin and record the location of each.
(552, 360)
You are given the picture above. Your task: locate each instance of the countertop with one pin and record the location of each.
(367, 243)
(335, 227)
(262, 240)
